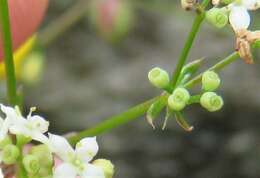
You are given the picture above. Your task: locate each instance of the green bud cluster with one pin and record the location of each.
(10, 154)
(210, 81)
(106, 166)
(178, 99)
(217, 17)
(45, 159)
(211, 101)
(6, 141)
(159, 78)
(31, 164)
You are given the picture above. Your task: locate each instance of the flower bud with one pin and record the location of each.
(211, 101)
(22, 140)
(107, 167)
(188, 4)
(179, 98)
(10, 154)
(25, 18)
(159, 77)
(210, 81)
(6, 141)
(43, 154)
(31, 164)
(217, 17)
(112, 18)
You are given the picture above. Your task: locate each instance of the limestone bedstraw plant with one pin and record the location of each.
(39, 161)
(56, 157)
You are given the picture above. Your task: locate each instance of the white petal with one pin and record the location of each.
(4, 128)
(10, 112)
(19, 127)
(65, 170)
(87, 148)
(249, 4)
(39, 123)
(60, 146)
(239, 18)
(38, 136)
(1, 173)
(91, 171)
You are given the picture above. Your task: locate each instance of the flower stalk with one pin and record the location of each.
(189, 42)
(139, 110)
(8, 54)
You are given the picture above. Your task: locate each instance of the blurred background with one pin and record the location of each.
(91, 74)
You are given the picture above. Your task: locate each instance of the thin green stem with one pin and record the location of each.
(218, 66)
(113, 122)
(8, 53)
(188, 44)
(21, 172)
(142, 108)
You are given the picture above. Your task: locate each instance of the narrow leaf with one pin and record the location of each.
(189, 69)
(182, 122)
(154, 110)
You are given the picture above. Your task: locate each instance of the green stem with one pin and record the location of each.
(116, 121)
(220, 65)
(188, 44)
(194, 99)
(142, 108)
(21, 172)
(8, 53)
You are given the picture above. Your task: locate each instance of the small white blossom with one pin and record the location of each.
(33, 127)
(1, 174)
(76, 162)
(239, 17)
(11, 117)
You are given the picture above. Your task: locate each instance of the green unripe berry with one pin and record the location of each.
(10, 154)
(179, 98)
(159, 77)
(31, 164)
(211, 101)
(210, 81)
(217, 17)
(6, 141)
(106, 166)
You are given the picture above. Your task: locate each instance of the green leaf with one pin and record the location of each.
(182, 122)
(154, 110)
(189, 70)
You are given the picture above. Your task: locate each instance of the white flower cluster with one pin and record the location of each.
(34, 127)
(236, 12)
(239, 16)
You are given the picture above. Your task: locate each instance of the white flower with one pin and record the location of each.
(1, 174)
(76, 162)
(33, 127)
(11, 117)
(239, 17)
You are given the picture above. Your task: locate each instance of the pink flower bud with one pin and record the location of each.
(25, 17)
(112, 18)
